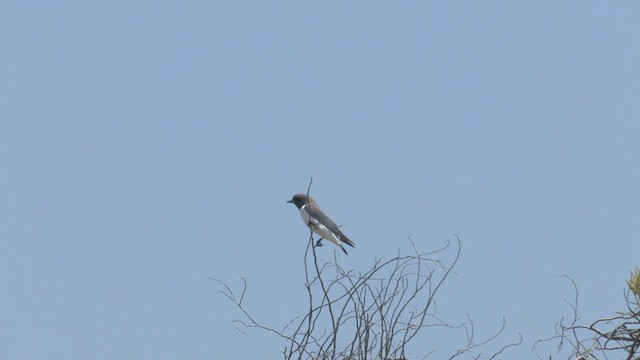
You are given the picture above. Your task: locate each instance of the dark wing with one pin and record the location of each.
(317, 213)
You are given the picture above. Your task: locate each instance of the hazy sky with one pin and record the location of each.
(149, 146)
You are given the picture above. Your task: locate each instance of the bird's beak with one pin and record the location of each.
(290, 201)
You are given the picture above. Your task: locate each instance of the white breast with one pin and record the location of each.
(305, 215)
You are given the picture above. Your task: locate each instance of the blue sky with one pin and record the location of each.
(149, 146)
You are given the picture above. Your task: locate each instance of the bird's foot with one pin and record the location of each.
(319, 243)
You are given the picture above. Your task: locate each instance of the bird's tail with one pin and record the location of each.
(338, 240)
(347, 241)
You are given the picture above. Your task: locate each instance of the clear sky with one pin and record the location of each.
(148, 146)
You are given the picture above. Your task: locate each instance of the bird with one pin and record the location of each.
(319, 222)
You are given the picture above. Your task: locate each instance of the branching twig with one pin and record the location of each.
(617, 335)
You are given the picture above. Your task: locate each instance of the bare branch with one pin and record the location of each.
(617, 335)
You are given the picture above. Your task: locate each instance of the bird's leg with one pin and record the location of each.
(319, 243)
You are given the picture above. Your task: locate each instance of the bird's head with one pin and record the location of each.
(299, 200)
